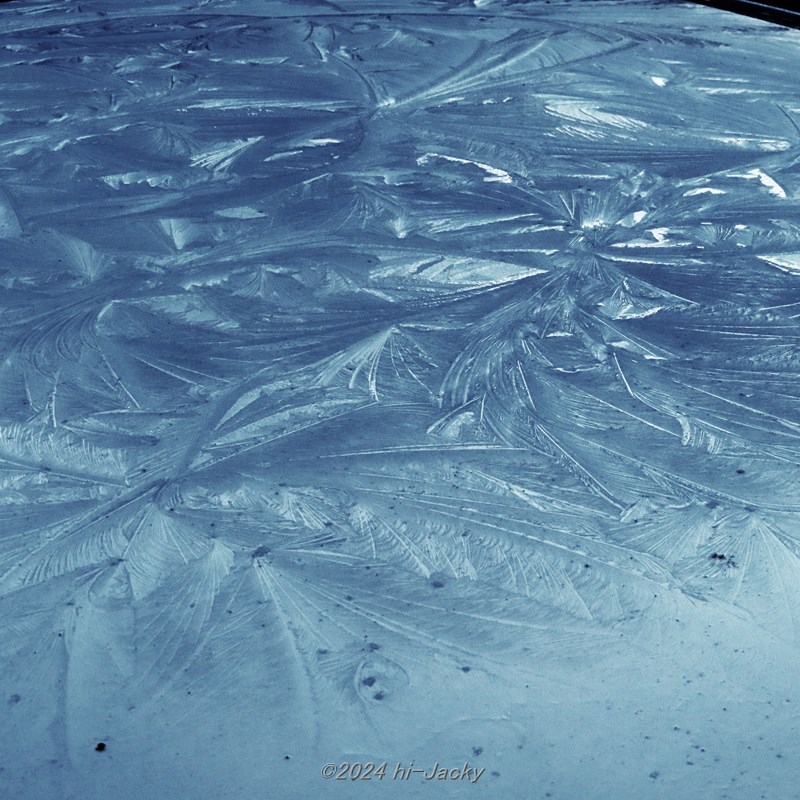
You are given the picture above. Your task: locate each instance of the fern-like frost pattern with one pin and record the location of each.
(398, 381)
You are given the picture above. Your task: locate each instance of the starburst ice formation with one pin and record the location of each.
(392, 382)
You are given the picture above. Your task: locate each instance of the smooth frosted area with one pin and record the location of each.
(398, 381)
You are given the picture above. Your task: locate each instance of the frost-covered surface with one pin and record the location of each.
(392, 381)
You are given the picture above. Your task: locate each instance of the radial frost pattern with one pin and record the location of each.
(398, 382)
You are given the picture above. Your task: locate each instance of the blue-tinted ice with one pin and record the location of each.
(398, 382)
